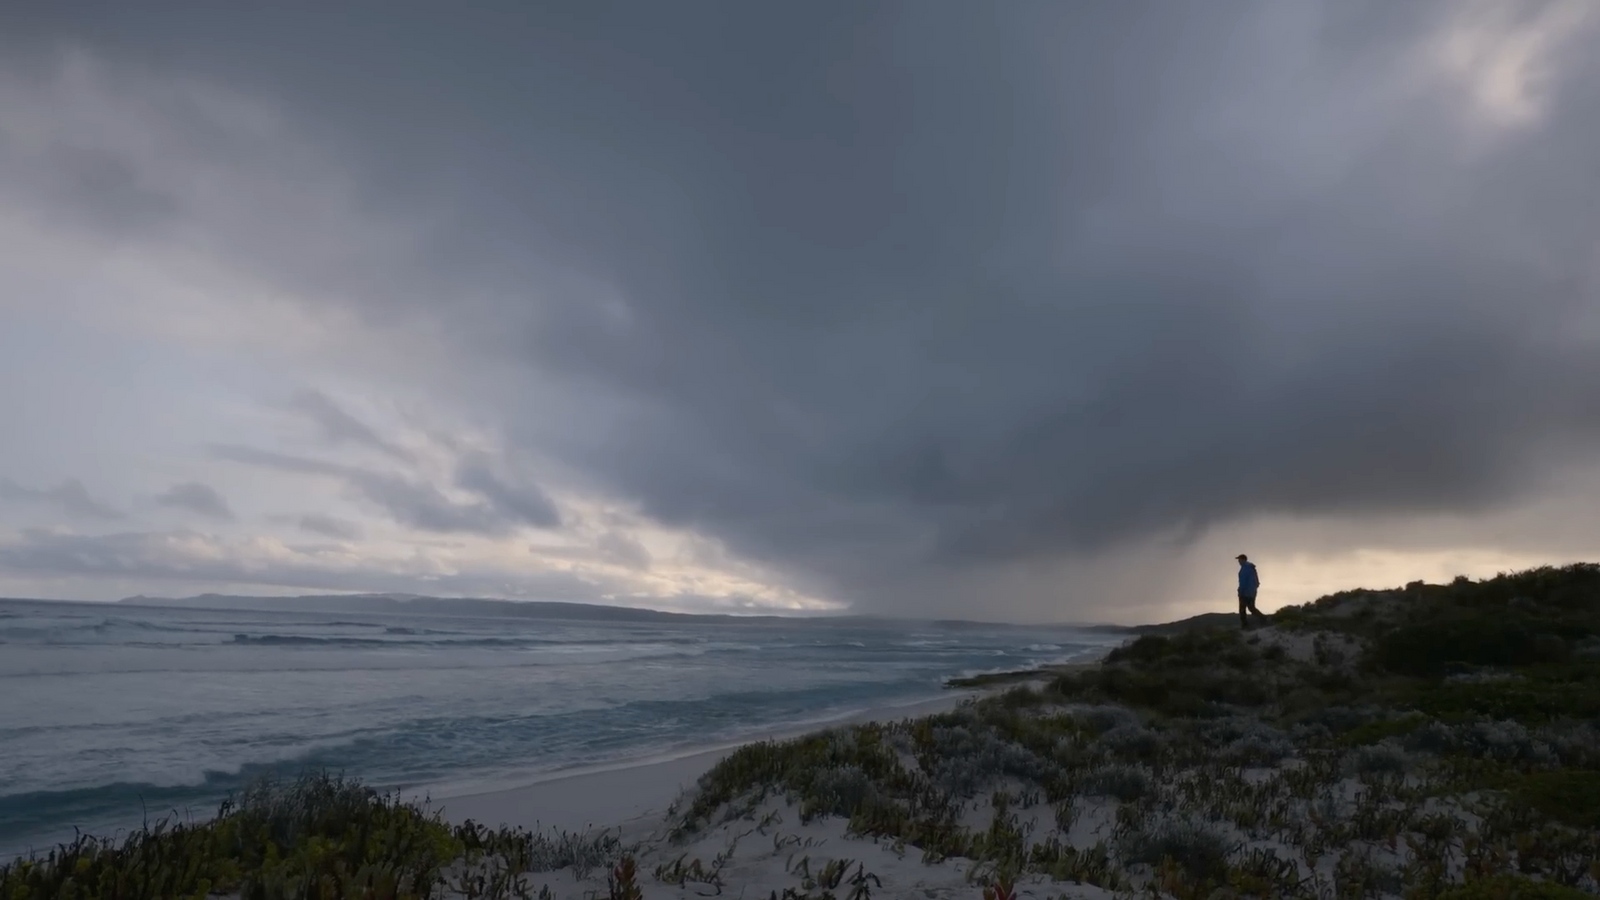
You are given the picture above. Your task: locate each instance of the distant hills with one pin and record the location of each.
(415, 604)
(1204, 620)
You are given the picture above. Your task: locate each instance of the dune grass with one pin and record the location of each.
(317, 836)
(1435, 740)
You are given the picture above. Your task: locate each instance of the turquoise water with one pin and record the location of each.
(112, 713)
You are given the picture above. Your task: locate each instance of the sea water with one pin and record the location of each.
(116, 714)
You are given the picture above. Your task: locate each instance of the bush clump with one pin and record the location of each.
(1374, 732)
(1199, 848)
(1491, 639)
(1539, 696)
(1131, 741)
(1381, 759)
(1511, 887)
(1568, 796)
(278, 840)
(1126, 783)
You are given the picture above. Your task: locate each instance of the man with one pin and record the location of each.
(1249, 583)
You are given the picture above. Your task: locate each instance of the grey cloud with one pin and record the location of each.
(106, 189)
(198, 498)
(329, 526)
(881, 293)
(70, 496)
(338, 426)
(188, 558)
(624, 550)
(408, 501)
(426, 507)
(523, 503)
(283, 462)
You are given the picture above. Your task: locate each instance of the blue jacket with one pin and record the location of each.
(1248, 581)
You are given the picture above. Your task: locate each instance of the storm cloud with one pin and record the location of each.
(197, 498)
(70, 496)
(413, 501)
(910, 304)
(337, 425)
(329, 526)
(190, 559)
(525, 504)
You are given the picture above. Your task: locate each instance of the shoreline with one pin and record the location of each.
(541, 796)
(1387, 744)
(627, 793)
(954, 688)
(609, 795)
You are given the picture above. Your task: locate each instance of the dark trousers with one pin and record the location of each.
(1247, 603)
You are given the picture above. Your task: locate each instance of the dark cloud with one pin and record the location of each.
(283, 462)
(877, 293)
(197, 498)
(338, 426)
(522, 503)
(424, 506)
(106, 190)
(410, 501)
(624, 550)
(70, 496)
(329, 526)
(188, 558)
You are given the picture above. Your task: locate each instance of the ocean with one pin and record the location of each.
(114, 714)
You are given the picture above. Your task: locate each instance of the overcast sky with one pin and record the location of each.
(1025, 310)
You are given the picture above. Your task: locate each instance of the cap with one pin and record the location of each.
(1241, 556)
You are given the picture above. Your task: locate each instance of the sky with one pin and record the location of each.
(1023, 311)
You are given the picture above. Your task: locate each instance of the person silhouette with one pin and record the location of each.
(1249, 583)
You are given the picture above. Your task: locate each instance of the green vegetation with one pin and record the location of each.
(1511, 887)
(1018, 676)
(318, 836)
(1431, 741)
(1380, 730)
(996, 679)
(1504, 638)
(1566, 796)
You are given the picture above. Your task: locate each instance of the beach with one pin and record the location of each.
(1366, 745)
(1435, 741)
(114, 714)
(774, 846)
(758, 853)
(633, 797)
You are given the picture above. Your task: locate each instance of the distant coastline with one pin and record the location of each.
(416, 604)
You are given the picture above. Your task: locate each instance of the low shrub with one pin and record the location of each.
(1126, 783)
(1199, 848)
(1521, 699)
(1568, 796)
(1429, 649)
(1131, 741)
(1104, 719)
(1255, 750)
(1382, 729)
(1382, 759)
(1511, 887)
(279, 839)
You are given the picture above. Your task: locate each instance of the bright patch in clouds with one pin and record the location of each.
(1506, 55)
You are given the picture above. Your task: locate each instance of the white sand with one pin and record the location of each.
(638, 793)
(599, 799)
(770, 853)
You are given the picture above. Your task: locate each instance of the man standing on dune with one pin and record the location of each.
(1249, 583)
